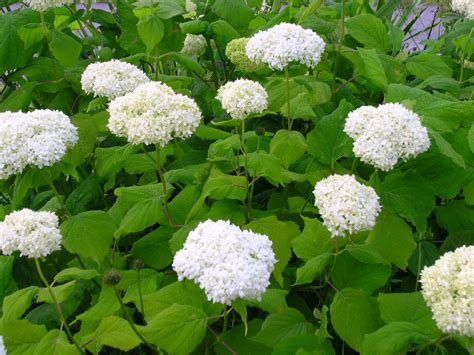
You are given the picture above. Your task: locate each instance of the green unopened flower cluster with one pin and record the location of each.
(235, 51)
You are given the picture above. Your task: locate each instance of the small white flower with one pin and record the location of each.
(112, 79)
(194, 45)
(226, 262)
(39, 138)
(43, 5)
(448, 288)
(33, 234)
(285, 43)
(383, 135)
(466, 7)
(153, 114)
(346, 205)
(241, 97)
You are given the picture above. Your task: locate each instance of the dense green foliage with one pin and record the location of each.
(327, 295)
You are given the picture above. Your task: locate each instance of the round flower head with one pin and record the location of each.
(39, 138)
(448, 288)
(466, 7)
(44, 5)
(235, 51)
(285, 43)
(346, 205)
(383, 135)
(194, 45)
(153, 114)
(241, 97)
(112, 79)
(226, 262)
(33, 234)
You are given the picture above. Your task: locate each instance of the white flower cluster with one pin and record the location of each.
(285, 43)
(226, 262)
(44, 5)
(3, 350)
(465, 7)
(346, 205)
(194, 45)
(241, 97)
(112, 79)
(383, 135)
(33, 234)
(153, 114)
(448, 288)
(39, 138)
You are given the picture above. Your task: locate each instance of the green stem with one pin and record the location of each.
(129, 320)
(58, 307)
(250, 198)
(224, 327)
(355, 162)
(165, 188)
(463, 57)
(339, 48)
(287, 76)
(50, 183)
(140, 293)
(244, 151)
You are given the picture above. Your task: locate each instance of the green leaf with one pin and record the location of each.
(348, 272)
(288, 146)
(303, 344)
(368, 30)
(470, 138)
(7, 283)
(186, 61)
(273, 301)
(393, 238)
(142, 215)
(446, 149)
(264, 164)
(353, 315)
(31, 34)
(153, 249)
(424, 65)
(366, 253)
(223, 33)
(372, 68)
(195, 26)
(74, 273)
(394, 338)
(281, 234)
(20, 99)
(182, 293)
(437, 113)
(311, 9)
(22, 336)
(221, 186)
(17, 303)
(111, 160)
(277, 326)
(169, 8)
(151, 31)
(313, 241)
(106, 305)
(408, 307)
(115, 332)
(409, 195)
(89, 234)
(327, 141)
(312, 269)
(236, 12)
(178, 329)
(455, 216)
(55, 343)
(88, 191)
(64, 48)
(61, 293)
(12, 51)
